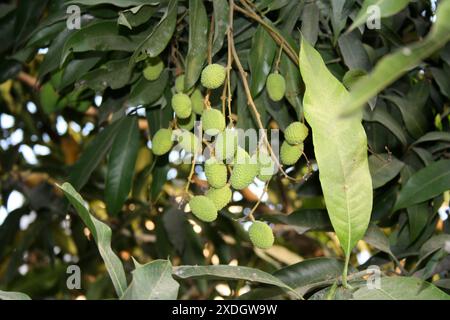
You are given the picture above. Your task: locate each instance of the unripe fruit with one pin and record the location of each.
(179, 85)
(181, 104)
(153, 69)
(221, 197)
(296, 133)
(203, 208)
(162, 142)
(276, 86)
(188, 123)
(226, 144)
(267, 166)
(289, 154)
(213, 76)
(216, 173)
(261, 235)
(213, 121)
(197, 101)
(244, 171)
(188, 141)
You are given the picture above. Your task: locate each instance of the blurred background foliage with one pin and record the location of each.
(65, 94)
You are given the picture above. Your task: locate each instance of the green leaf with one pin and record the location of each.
(121, 162)
(260, 60)
(387, 120)
(386, 8)
(92, 156)
(102, 236)
(114, 74)
(310, 22)
(377, 239)
(146, 92)
(117, 3)
(303, 220)
(229, 272)
(303, 277)
(417, 219)
(9, 295)
(160, 36)
(309, 274)
(76, 69)
(353, 52)
(293, 84)
(401, 288)
(441, 77)
(100, 36)
(392, 66)
(383, 168)
(434, 136)
(136, 16)
(433, 244)
(425, 184)
(221, 11)
(198, 42)
(340, 148)
(152, 281)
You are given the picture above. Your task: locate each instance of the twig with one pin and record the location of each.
(274, 33)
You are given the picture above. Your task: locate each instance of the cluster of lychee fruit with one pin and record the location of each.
(226, 154)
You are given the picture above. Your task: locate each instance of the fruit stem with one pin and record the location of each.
(250, 215)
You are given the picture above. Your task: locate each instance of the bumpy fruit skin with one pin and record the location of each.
(153, 69)
(179, 85)
(221, 197)
(276, 86)
(181, 104)
(216, 173)
(188, 141)
(213, 121)
(261, 235)
(188, 123)
(162, 142)
(213, 76)
(289, 154)
(203, 208)
(296, 133)
(225, 145)
(244, 171)
(267, 166)
(197, 101)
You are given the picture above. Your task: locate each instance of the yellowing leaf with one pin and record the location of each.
(340, 147)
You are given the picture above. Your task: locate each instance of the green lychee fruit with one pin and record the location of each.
(289, 154)
(261, 235)
(221, 197)
(225, 145)
(197, 101)
(213, 76)
(188, 141)
(216, 173)
(162, 142)
(181, 104)
(188, 123)
(179, 85)
(154, 67)
(203, 208)
(245, 170)
(276, 86)
(267, 166)
(213, 121)
(296, 132)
